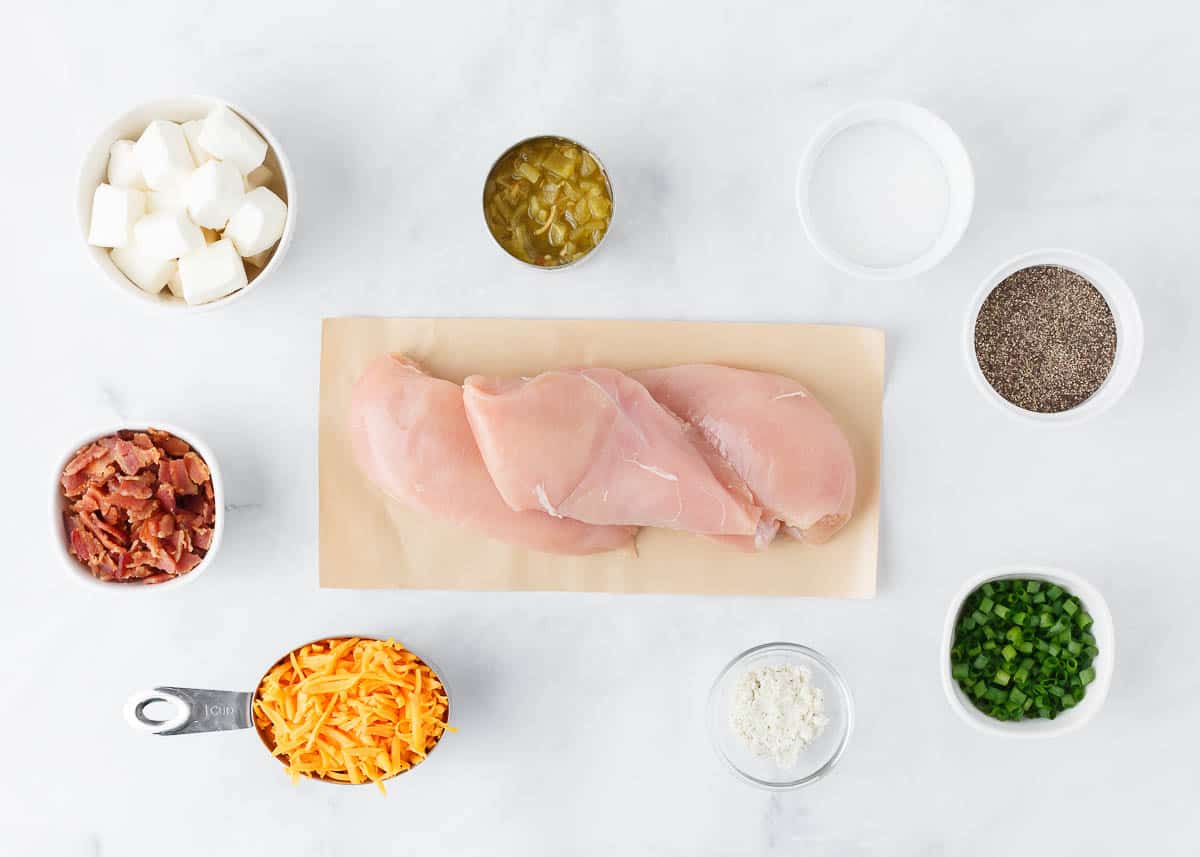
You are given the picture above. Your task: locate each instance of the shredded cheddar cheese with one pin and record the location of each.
(351, 710)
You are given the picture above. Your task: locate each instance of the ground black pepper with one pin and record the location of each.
(1045, 339)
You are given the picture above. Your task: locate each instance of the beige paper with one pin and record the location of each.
(371, 541)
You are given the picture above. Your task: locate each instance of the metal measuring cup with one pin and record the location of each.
(203, 710)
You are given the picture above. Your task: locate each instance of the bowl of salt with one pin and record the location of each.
(885, 190)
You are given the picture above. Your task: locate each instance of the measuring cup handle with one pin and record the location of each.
(195, 710)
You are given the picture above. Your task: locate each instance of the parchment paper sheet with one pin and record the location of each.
(370, 541)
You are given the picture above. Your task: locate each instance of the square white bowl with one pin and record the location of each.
(1102, 629)
(58, 536)
(129, 126)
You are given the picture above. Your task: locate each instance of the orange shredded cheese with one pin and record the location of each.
(351, 710)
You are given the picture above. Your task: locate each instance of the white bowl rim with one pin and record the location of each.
(1127, 317)
(920, 121)
(847, 701)
(178, 305)
(82, 575)
(1097, 692)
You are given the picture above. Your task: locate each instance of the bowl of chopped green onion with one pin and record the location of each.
(1027, 651)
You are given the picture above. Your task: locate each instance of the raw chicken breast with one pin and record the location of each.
(777, 436)
(411, 438)
(592, 444)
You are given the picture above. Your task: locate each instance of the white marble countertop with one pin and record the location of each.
(581, 715)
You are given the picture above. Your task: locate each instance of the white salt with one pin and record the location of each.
(878, 195)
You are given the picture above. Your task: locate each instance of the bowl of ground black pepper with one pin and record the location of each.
(1054, 337)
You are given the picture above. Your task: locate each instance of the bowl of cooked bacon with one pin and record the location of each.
(138, 506)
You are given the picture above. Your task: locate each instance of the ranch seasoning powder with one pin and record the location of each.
(1045, 339)
(777, 712)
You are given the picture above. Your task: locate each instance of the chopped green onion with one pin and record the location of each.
(1022, 649)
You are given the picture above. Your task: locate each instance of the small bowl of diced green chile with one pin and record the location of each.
(1024, 650)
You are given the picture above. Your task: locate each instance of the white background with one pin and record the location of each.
(581, 715)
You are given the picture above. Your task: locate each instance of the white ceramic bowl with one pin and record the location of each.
(820, 757)
(1126, 316)
(940, 138)
(1101, 629)
(129, 126)
(76, 570)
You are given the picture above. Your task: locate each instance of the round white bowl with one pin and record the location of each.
(129, 126)
(820, 757)
(940, 137)
(1101, 629)
(1128, 319)
(76, 570)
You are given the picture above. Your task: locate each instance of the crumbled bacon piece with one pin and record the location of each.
(174, 472)
(138, 506)
(201, 538)
(166, 496)
(197, 470)
(140, 486)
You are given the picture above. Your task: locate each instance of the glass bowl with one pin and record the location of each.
(814, 762)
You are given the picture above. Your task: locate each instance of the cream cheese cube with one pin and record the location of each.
(191, 133)
(169, 199)
(167, 235)
(212, 272)
(258, 222)
(147, 272)
(214, 192)
(115, 210)
(229, 137)
(124, 169)
(162, 150)
(174, 283)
